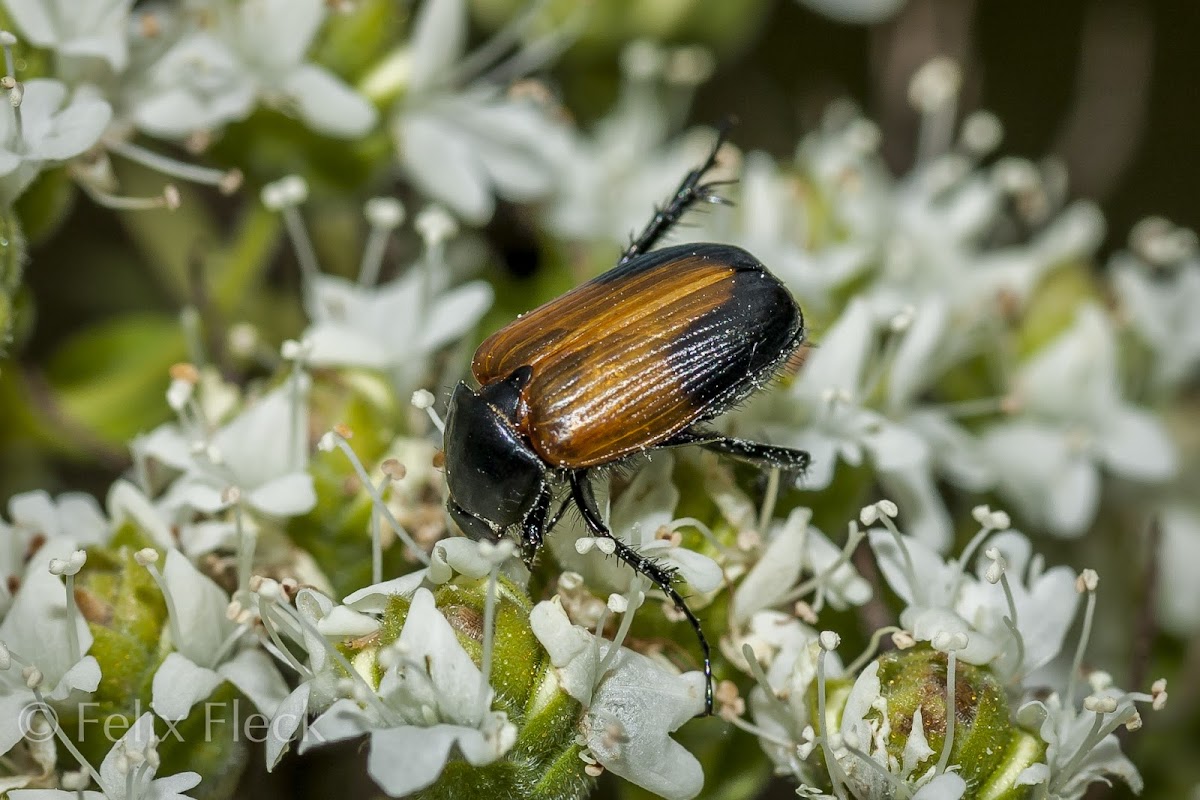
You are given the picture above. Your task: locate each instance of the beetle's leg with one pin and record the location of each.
(787, 459)
(533, 528)
(558, 515)
(585, 499)
(690, 192)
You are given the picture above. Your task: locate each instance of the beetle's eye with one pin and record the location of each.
(473, 526)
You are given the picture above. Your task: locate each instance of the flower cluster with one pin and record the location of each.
(279, 541)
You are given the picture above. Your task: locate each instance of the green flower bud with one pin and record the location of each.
(127, 617)
(544, 764)
(988, 750)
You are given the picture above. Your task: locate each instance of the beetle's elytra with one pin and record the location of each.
(635, 359)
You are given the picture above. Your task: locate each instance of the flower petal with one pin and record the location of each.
(201, 606)
(285, 722)
(178, 685)
(328, 104)
(255, 675)
(406, 759)
(285, 496)
(776, 572)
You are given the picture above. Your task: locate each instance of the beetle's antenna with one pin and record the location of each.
(581, 491)
(690, 192)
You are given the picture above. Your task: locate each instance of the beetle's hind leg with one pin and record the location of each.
(786, 459)
(585, 499)
(690, 192)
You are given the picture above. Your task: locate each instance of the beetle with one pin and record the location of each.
(636, 359)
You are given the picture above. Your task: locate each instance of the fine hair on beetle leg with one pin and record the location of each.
(661, 576)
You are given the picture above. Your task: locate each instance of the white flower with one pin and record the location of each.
(615, 176)
(1179, 593)
(430, 709)
(261, 454)
(394, 327)
(941, 598)
(1161, 308)
(644, 508)
(254, 50)
(1075, 422)
(316, 620)
(127, 772)
(54, 127)
(461, 146)
(789, 651)
(632, 704)
(796, 547)
(206, 654)
(1075, 758)
(36, 628)
(77, 28)
(319, 675)
(823, 412)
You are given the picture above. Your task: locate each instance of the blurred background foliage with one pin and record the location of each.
(1107, 85)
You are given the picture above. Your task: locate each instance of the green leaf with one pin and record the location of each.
(111, 379)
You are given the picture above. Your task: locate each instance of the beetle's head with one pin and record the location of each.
(493, 475)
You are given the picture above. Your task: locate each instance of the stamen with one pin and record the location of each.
(1086, 582)
(769, 499)
(376, 535)
(828, 641)
(594, 655)
(997, 573)
(227, 181)
(384, 214)
(169, 199)
(760, 677)
(285, 197)
(68, 569)
(334, 439)
(148, 558)
(497, 553)
(703, 529)
(247, 543)
(297, 353)
(910, 572)
(754, 730)
(487, 54)
(369, 694)
(283, 652)
(817, 581)
(899, 788)
(871, 649)
(949, 643)
(436, 227)
(15, 92)
(424, 400)
(933, 91)
(1085, 747)
(542, 51)
(990, 522)
(626, 605)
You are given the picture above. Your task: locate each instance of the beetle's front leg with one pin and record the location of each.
(533, 527)
(660, 576)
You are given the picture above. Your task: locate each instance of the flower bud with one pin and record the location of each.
(988, 749)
